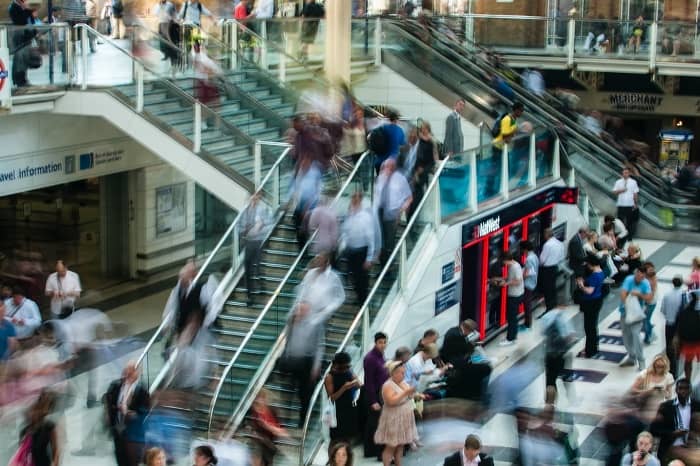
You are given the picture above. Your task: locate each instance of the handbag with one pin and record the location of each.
(633, 310)
(23, 455)
(329, 418)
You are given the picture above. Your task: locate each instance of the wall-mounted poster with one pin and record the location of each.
(171, 209)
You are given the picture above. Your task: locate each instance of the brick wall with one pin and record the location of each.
(516, 33)
(681, 10)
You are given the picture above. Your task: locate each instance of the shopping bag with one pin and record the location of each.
(633, 310)
(23, 455)
(329, 418)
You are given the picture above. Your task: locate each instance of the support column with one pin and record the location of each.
(338, 40)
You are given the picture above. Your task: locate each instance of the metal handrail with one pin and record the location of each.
(262, 314)
(220, 244)
(365, 307)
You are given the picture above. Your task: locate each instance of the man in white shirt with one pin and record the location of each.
(264, 9)
(255, 224)
(627, 192)
(23, 313)
(63, 287)
(515, 291)
(553, 253)
(393, 197)
(166, 13)
(192, 11)
(359, 235)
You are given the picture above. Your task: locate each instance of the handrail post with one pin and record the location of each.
(532, 163)
(378, 42)
(235, 246)
(586, 211)
(69, 52)
(437, 207)
(84, 56)
(257, 164)
(233, 45)
(504, 173)
(402, 266)
(263, 46)
(276, 188)
(571, 39)
(556, 160)
(473, 183)
(571, 182)
(139, 87)
(366, 340)
(197, 126)
(653, 46)
(282, 68)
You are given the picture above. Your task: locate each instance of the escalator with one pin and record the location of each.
(417, 52)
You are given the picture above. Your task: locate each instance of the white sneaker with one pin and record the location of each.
(627, 361)
(507, 343)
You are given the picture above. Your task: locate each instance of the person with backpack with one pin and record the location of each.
(592, 293)
(387, 140)
(505, 127)
(191, 17)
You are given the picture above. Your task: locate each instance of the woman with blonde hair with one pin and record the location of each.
(654, 385)
(155, 457)
(397, 424)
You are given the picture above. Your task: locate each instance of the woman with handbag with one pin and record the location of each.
(39, 439)
(342, 387)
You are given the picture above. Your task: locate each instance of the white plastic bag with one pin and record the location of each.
(329, 419)
(633, 310)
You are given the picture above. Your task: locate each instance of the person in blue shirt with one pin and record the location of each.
(591, 301)
(395, 139)
(7, 335)
(635, 285)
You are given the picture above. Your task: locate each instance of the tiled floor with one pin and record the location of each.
(587, 402)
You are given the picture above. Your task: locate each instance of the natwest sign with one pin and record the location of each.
(487, 226)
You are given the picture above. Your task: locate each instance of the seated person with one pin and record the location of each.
(421, 371)
(458, 340)
(470, 377)
(470, 454)
(627, 264)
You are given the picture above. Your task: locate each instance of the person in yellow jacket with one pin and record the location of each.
(508, 126)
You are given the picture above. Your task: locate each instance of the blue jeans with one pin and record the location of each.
(648, 328)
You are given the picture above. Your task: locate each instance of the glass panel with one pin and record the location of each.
(518, 162)
(545, 141)
(488, 173)
(362, 38)
(39, 56)
(677, 41)
(625, 39)
(455, 184)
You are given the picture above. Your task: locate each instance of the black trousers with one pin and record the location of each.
(553, 366)
(626, 214)
(300, 371)
(360, 277)
(371, 449)
(591, 311)
(528, 297)
(548, 282)
(389, 228)
(251, 264)
(512, 306)
(670, 350)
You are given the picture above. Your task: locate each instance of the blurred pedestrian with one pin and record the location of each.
(204, 456)
(127, 403)
(324, 221)
(397, 424)
(23, 313)
(590, 303)
(551, 256)
(515, 290)
(184, 301)
(531, 268)
(8, 340)
(654, 385)
(470, 455)
(255, 225)
(167, 15)
(311, 13)
(206, 75)
(155, 457)
(307, 189)
(375, 376)
(359, 235)
(342, 387)
(39, 439)
(454, 139)
(558, 337)
(63, 287)
(117, 20)
(392, 197)
(688, 333)
(340, 454)
(266, 429)
(671, 305)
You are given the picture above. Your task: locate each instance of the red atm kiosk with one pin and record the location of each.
(485, 239)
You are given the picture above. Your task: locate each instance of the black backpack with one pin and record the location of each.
(378, 142)
(496, 128)
(556, 342)
(688, 323)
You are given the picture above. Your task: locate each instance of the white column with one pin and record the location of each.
(505, 189)
(532, 163)
(197, 127)
(84, 56)
(570, 39)
(652, 46)
(139, 88)
(473, 183)
(556, 160)
(378, 42)
(257, 164)
(338, 40)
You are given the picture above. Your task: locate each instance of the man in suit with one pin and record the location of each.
(454, 139)
(469, 455)
(127, 403)
(577, 255)
(457, 343)
(672, 422)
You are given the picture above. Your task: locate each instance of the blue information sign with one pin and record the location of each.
(448, 272)
(446, 297)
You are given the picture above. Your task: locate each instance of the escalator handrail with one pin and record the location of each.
(236, 416)
(161, 328)
(541, 103)
(434, 183)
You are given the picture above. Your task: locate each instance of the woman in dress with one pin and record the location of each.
(397, 424)
(341, 386)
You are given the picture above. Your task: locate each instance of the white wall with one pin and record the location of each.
(385, 87)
